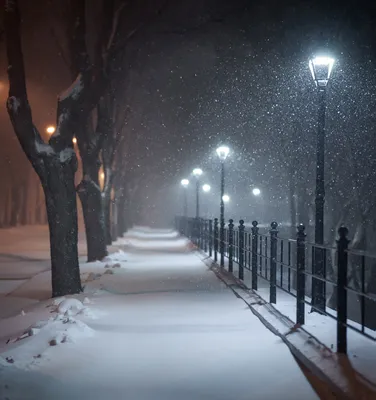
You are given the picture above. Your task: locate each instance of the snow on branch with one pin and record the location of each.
(74, 90)
(66, 154)
(43, 149)
(13, 104)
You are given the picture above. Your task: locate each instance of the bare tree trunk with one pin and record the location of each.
(60, 194)
(15, 204)
(90, 196)
(106, 199)
(54, 163)
(120, 223)
(24, 206)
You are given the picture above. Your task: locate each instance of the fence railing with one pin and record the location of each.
(287, 264)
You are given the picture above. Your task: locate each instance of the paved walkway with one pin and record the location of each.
(168, 329)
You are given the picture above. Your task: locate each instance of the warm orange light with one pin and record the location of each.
(102, 175)
(74, 140)
(50, 129)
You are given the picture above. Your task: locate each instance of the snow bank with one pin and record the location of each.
(117, 256)
(34, 344)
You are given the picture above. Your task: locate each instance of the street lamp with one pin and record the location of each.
(222, 152)
(226, 198)
(50, 129)
(321, 69)
(197, 172)
(256, 191)
(206, 188)
(185, 183)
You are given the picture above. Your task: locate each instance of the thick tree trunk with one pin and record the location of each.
(113, 219)
(121, 223)
(90, 196)
(106, 201)
(15, 204)
(60, 194)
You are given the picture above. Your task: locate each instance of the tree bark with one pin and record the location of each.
(54, 163)
(90, 196)
(106, 200)
(89, 191)
(120, 223)
(60, 194)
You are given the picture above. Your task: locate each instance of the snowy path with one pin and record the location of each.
(166, 328)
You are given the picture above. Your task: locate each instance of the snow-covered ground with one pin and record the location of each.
(361, 350)
(152, 323)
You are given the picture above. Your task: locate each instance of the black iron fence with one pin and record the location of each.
(287, 264)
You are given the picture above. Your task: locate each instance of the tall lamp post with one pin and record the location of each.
(197, 172)
(206, 188)
(185, 183)
(321, 69)
(222, 152)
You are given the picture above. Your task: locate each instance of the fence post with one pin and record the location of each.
(201, 233)
(254, 254)
(241, 249)
(230, 245)
(210, 238)
(300, 279)
(273, 262)
(206, 235)
(342, 246)
(215, 239)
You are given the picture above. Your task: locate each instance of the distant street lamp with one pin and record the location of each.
(256, 191)
(206, 188)
(74, 140)
(321, 69)
(50, 129)
(222, 152)
(197, 172)
(226, 198)
(185, 183)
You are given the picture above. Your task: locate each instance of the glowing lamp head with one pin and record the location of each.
(184, 182)
(102, 175)
(321, 69)
(256, 191)
(226, 198)
(206, 188)
(74, 140)
(223, 152)
(197, 172)
(50, 129)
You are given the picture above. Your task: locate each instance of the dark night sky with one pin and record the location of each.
(208, 71)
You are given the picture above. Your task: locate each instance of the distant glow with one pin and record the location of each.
(206, 188)
(226, 198)
(184, 182)
(50, 129)
(256, 192)
(321, 69)
(102, 175)
(223, 152)
(197, 172)
(74, 140)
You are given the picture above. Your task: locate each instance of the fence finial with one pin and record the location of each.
(343, 232)
(274, 225)
(301, 229)
(254, 224)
